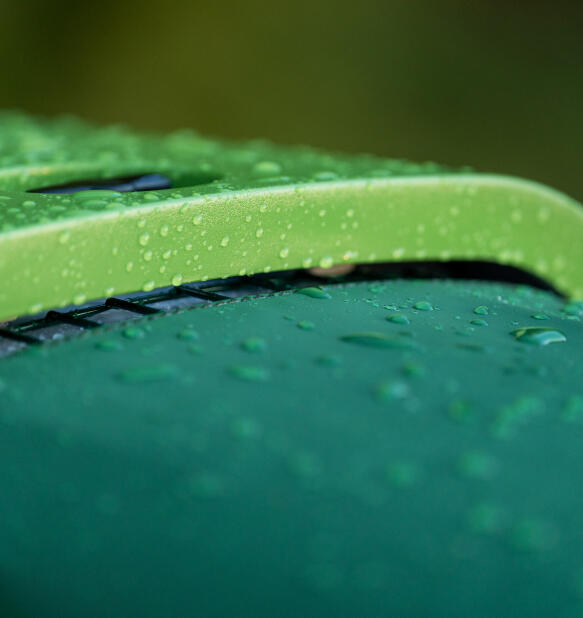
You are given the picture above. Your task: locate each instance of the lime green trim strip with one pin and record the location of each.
(174, 240)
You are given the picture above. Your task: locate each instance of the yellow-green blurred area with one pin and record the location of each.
(493, 84)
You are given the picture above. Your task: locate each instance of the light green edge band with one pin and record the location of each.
(445, 217)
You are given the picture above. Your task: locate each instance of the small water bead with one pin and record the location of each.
(306, 325)
(398, 318)
(266, 167)
(254, 345)
(249, 373)
(314, 292)
(540, 316)
(152, 373)
(147, 255)
(478, 465)
(225, 241)
(486, 518)
(460, 411)
(284, 252)
(423, 305)
(197, 219)
(329, 360)
(109, 345)
(413, 369)
(164, 230)
(481, 310)
(259, 232)
(479, 322)
(573, 308)
(143, 239)
(389, 390)
(246, 428)
(539, 336)
(188, 334)
(133, 332)
(573, 409)
(403, 474)
(326, 262)
(534, 535)
(149, 286)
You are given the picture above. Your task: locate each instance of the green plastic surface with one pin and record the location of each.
(397, 448)
(247, 208)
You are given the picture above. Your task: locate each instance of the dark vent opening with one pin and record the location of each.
(125, 184)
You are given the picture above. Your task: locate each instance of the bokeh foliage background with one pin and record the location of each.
(493, 84)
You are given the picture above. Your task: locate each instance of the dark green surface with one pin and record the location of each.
(257, 459)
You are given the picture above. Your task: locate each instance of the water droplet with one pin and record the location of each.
(225, 241)
(314, 292)
(153, 373)
(265, 168)
(534, 535)
(573, 308)
(147, 255)
(79, 299)
(485, 518)
(144, 238)
(259, 232)
(403, 474)
(254, 344)
(423, 305)
(329, 360)
(573, 410)
(413, 369)
(64, 237)
(284, 252)
(306, 325)
(246, 428)
(376, 340)
(540, 316)
(537, 335)
(479, 322)
(177, 279)
(133, 332)
(398, 318)
(481, 310)
(478, 465)
(460, 411)
(249, 373)
(389, 390)
(326, 262)
(149, 286)
(197, 219)
(188, 334)
(164, 230)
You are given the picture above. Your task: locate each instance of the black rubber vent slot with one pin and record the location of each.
(65, 323)
(143, 182)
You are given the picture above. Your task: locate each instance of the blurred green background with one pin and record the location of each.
(492, 84)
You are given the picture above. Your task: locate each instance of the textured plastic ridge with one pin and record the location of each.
(246, 208)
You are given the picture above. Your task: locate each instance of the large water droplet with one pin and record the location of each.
(376, 340)
(537, 335)
(314, 292)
